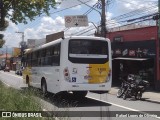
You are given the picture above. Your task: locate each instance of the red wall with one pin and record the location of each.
(139, 34)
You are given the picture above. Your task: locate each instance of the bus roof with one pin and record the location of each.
(42, 46)
(59, 41)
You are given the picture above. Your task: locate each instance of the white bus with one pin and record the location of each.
(75, 64)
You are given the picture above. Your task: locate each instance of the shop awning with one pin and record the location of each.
(136, 59)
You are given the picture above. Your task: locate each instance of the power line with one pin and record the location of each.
(97, 4)
(135, 12)
(68, 8)
(89, 6)
(125, 21)
(130, 14)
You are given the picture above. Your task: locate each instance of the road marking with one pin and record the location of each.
(123, 107)
(6, 83)
(56, 118)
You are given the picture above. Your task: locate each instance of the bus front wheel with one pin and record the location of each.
(44, 88)
(80, 94)
(27, 81)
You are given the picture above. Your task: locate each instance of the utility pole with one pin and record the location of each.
(158, 50)
(22, 42)
(100, 32)
(157, 42)
(103, 20)
(23, 45)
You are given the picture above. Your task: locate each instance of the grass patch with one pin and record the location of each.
(16, 100)
(24, 100)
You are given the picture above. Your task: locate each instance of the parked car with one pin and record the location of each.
(6, 69)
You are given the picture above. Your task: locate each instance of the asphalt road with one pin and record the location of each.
(91, 107)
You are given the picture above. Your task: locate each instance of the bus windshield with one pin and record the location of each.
(88, 51)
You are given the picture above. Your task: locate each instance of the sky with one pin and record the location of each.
(45, 25)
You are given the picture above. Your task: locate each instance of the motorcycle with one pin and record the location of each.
(123, 88)
(134, 86)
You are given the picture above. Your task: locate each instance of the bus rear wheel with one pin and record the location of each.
(80, 94)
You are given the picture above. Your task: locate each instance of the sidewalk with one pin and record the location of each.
(150, 96)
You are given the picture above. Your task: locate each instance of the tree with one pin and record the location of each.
(1, 40)
(20, 11)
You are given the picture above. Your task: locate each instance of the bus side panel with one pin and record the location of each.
(52, 79)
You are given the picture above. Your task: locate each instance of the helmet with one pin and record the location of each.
(131, 77)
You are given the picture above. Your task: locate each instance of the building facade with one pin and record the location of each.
(5, 60)
(136, 51)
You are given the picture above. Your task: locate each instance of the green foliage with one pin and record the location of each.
(20, 100)
(20, 11)
(1, 40)
(4, 25)
(1, 36)
(23, 10)
(13, 100)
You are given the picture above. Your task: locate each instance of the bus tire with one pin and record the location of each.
(80, 94)
(44, 88)
(27, 81)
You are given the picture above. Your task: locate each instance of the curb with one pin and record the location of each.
(156, 101)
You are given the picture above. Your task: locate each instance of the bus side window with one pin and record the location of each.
(48, 58)
(39, 58)
(29, 60)
(39, 61)
(34, 59)
(52, 54)
(43, 55)
(25, 60)
(56, 55)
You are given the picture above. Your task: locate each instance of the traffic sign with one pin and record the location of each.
(76, 21)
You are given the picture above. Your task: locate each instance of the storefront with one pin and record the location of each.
(136, 57)
(135, 52)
